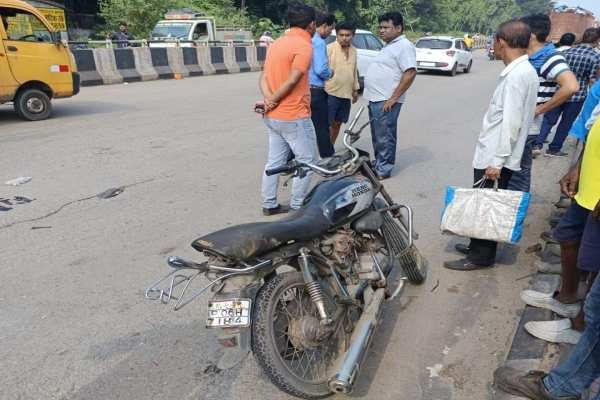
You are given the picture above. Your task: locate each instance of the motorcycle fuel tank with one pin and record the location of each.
(342, 198)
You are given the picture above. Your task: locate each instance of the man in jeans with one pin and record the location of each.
(584, 61)
(581, 223)
(284, 85)
(388, 78)
(557, 85)
(504, 131)
(319, 74)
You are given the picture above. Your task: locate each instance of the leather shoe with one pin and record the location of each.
(529, 385)
(383, 177)
(267, 212)
(464, 265)
(462, 249)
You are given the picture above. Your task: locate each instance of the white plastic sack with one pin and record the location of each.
(488, 214)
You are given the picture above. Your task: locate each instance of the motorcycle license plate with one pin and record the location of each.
(427, 64)
(228, 313)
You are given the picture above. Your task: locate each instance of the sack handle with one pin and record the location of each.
(481, 183)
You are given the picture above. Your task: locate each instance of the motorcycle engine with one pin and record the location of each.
(340, 247)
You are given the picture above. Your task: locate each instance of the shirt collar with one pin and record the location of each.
(299, 32)
(513, 65)
(397, 39)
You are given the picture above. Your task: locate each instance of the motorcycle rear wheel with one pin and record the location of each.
(297, 365)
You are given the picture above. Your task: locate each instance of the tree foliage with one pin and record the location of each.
(420, 15)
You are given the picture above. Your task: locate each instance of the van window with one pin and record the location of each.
(200, 32)
(23, 26)
(434, 44)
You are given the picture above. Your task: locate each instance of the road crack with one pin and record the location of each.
(65, 205)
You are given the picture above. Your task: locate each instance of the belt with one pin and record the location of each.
(317, 87)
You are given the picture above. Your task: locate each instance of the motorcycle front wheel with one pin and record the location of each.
(285, 337)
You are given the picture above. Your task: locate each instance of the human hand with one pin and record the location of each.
(389, 104)
(568, 183)
(538, 111)
(270, 103)
(354, 97)
(493, 174)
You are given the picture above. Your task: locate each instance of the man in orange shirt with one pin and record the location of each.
(284, 85)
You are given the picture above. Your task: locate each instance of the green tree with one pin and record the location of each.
(142, 15)
(535, 6)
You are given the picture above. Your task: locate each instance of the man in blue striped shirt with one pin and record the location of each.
(557, 85)
(318, 74)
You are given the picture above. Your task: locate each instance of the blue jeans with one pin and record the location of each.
(285, 137)
(567, 112)
(582, 367)
(521, 180)
(384, 136)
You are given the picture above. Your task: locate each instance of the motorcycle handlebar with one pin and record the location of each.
(279, 170)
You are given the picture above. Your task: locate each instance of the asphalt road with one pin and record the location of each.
(73, 320)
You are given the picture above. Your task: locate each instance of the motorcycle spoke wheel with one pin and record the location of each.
(287, 343)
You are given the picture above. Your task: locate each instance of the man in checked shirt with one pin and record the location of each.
(584, 61)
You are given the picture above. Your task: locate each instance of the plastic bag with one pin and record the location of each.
(489, 214)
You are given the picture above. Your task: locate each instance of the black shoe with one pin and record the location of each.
(555, 153)
(547, 237)
(267, 212)
(462, 249)
(383, 177)
(529, 385)
(464, 265)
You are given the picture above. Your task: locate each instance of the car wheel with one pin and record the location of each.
(468, 67)
(33, 105)
(454, 69)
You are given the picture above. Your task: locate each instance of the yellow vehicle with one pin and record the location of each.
(35, 65)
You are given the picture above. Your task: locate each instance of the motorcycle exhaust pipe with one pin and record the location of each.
(349, 367)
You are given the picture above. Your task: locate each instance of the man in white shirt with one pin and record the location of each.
(388, 79)
(504, 132)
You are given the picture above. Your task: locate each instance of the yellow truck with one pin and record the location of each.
(35, 65)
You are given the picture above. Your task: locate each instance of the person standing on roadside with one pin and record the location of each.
(388, 78)
(580, 228)
(504, 132)
(584, 61)
(343, 88)
(319, 73)
(285, 88)
(122, 37)
(557, 85)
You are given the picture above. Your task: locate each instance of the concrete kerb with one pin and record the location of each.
(86, 65)
(241, 58)
(143, 63)
(229, 59)
(176, 62)
(204, 60)
(261, 55)
(253, 59)
(217, 60)
(125, 61)
(190, 60)
(160, 62)
(107, 66)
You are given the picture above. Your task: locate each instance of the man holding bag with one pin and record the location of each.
(504, 132)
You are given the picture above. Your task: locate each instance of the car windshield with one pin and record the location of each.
(175, 30)
(434, 44)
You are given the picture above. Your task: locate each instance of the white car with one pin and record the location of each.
(443, 53)
(367, 46)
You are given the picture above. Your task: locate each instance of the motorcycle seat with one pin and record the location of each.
(247, 241)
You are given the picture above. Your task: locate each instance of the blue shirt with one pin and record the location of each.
(579, 130)
(319, 70)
